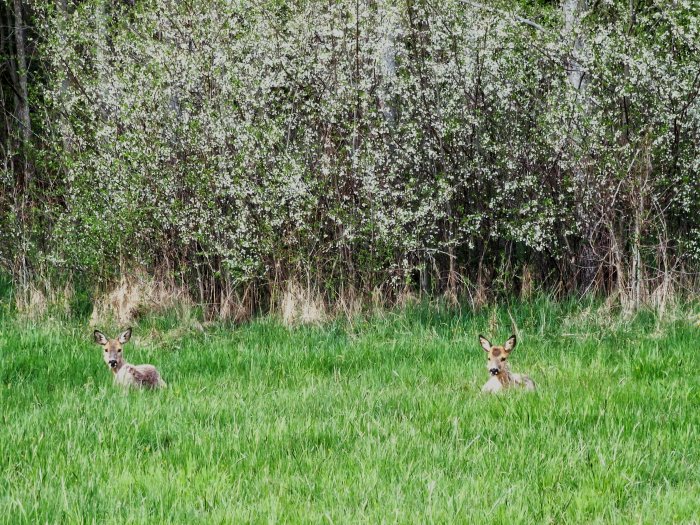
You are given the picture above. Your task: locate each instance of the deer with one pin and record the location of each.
(497, 365)
(125, 374)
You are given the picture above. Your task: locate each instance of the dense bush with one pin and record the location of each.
(354, 145)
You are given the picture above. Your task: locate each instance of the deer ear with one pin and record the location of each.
(485, 344)
(100, 338)
(125, 336)
(510, 343)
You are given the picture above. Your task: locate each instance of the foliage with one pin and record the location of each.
(363, 144)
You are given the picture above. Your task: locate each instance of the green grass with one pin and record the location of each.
(379, 420)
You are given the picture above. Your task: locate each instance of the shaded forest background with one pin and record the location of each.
(244, 154)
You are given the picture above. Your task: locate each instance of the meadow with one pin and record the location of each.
(372, 420)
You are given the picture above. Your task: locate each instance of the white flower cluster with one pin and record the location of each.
(367, 140)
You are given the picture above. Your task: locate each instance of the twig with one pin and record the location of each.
(517, 18)
(514, 325)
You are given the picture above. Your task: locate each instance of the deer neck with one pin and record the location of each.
(504, 376)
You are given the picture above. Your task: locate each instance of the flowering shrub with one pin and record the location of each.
(362, 144)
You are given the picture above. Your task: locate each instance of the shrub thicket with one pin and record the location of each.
(238, 147)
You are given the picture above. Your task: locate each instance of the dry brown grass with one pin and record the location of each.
(40, 299)
(235, 306)
(301, 305)
(32, 302)
(137, 294)
(406, 297)
(527, 283)
(349, 304)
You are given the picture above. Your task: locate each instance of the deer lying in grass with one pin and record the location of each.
(125, 374)
(497, 365)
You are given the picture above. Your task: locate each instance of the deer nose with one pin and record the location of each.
(112, 363)
(493, 371)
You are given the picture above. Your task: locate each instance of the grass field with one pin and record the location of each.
(376, 421)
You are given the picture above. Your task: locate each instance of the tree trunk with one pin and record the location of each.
(588, 263)
(571, 9)
(22, 141)
(66, 135)
(23, 95)
(389, 69)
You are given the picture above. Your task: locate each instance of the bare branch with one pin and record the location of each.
(516, 18)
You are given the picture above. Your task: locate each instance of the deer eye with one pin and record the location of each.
(503, 358)
(105, 349)
(120, 350)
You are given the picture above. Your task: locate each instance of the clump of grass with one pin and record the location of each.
(301, 305)
(137, 295)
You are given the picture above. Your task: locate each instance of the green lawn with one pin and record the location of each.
(379, 420)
